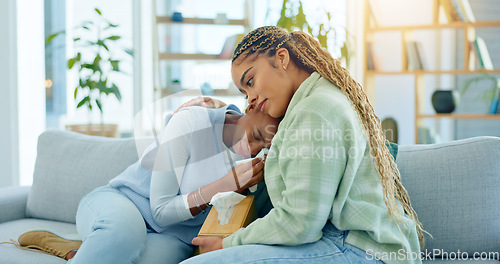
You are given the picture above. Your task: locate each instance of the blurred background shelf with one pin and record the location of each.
(467, 60)
(458, 71)
(188, 56)
(478, 24)
(462, 116)
(202, 21)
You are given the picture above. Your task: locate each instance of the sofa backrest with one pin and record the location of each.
(455, 189)
(70, 165)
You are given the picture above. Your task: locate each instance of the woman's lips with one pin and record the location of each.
(262, 105)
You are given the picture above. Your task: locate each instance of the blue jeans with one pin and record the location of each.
(114, 231)
(331, 248)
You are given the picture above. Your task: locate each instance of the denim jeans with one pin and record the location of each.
(331, 248)
(114, 231)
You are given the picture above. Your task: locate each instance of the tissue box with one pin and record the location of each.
(244, 213)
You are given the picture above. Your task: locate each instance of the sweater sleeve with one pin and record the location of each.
(167, 205)
(309, 167)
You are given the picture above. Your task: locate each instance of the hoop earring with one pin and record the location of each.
(284, 67)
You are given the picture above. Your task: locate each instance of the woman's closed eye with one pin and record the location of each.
(257, 135)
(254, 137)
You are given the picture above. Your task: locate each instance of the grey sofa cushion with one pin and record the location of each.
(68, 166)
(455, 189)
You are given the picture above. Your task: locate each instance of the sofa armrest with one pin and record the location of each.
(13, 203)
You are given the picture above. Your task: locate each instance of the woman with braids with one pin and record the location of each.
(336, 190)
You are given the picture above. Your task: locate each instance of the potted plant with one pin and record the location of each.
(94, 61)
(492, 95)
(292, 17)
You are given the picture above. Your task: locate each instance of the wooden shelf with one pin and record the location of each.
(490, 23)
(462, 116)
(189, 56)
(165, 73)
(419, 76)
(201, 21)
(433, 72)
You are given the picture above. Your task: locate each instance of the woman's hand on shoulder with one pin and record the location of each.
(207, 102)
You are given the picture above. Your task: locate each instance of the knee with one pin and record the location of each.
(126, 233)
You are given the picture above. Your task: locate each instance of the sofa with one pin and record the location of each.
(454, 187)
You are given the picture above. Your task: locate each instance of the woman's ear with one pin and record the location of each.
(282, 58)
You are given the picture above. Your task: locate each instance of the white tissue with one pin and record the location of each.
(261, 155)
(252, 189)
(224, 203)
(263, 152)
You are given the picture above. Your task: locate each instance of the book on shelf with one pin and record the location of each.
(464, 10)
(495, 102)
(414, 54)
(229, 46)
(449, 10)
(373, 60)
(420, 55)
(457, 10)
(425, 136)
(482, 54)
(376, 17)
(473, 57)
(369, 56)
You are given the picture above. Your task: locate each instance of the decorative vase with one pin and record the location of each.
(390, 128)
(103, 130)
(444, 101)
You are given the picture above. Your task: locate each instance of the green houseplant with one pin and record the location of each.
(94, 61)
(492, 93)
(292, 17)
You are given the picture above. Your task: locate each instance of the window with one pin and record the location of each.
(61, 83)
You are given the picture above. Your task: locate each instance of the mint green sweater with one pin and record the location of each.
(320, 169)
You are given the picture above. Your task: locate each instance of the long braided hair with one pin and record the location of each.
(308, 55)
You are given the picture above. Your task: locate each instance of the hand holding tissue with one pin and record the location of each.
(262, 154)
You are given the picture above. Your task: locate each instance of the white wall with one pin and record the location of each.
(145, 54)
(30, 83)
(22, 108)
(9, 158)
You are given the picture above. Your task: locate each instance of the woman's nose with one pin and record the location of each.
(252, 99)
(256, 147)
